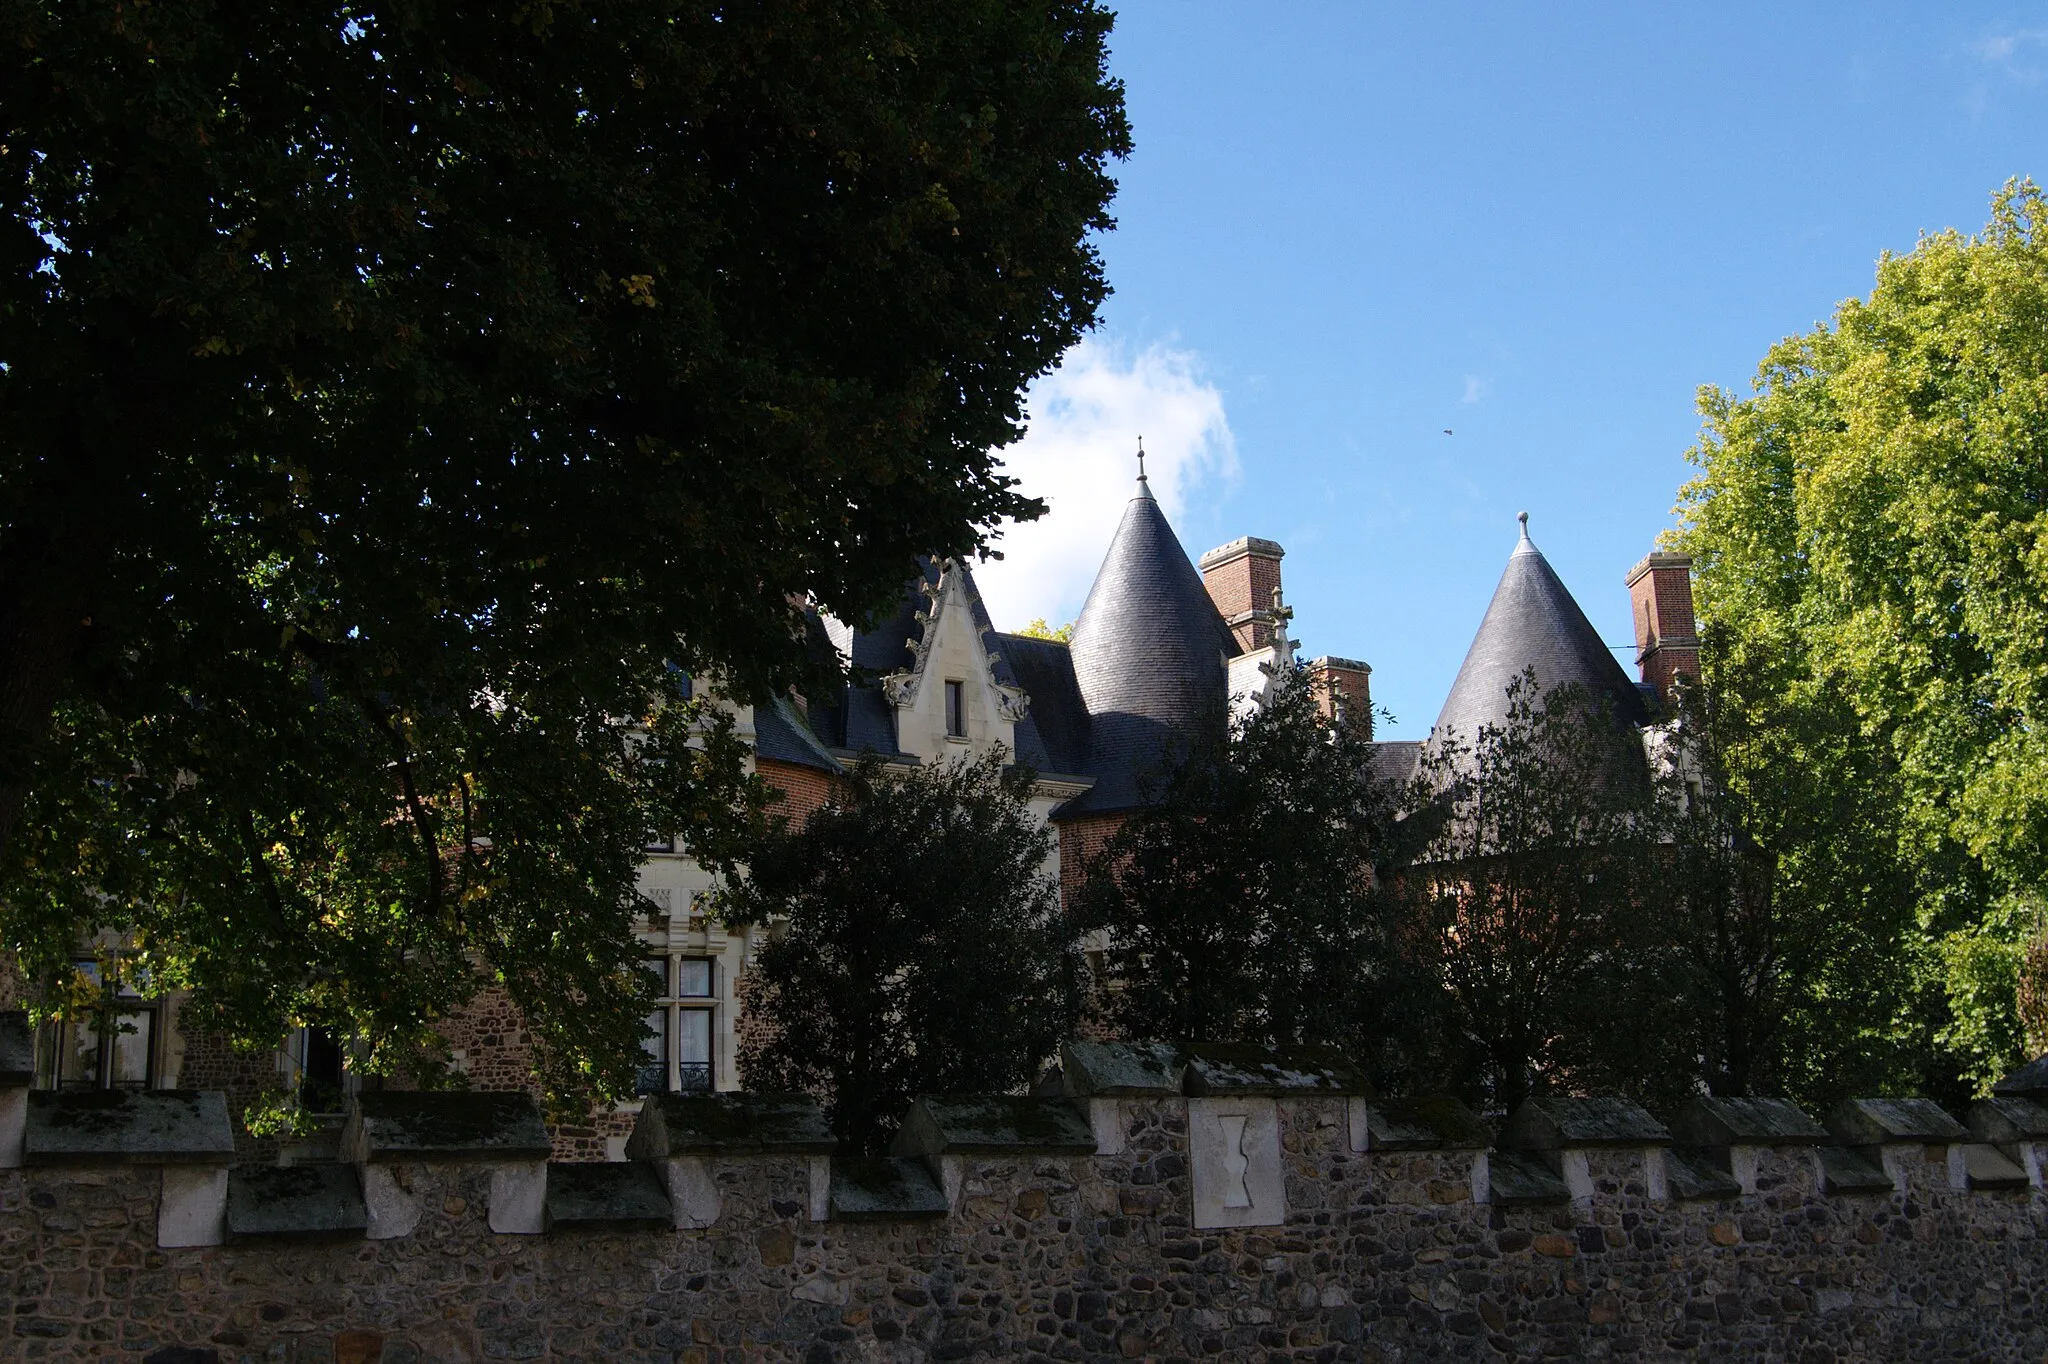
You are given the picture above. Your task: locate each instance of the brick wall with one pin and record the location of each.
(1081, 839)
(802, 789)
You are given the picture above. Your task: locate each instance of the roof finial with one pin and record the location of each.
(1141, 459)
(1523, 517)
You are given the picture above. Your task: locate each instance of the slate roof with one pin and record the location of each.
(1053, 735)
(780, 735)
(1149, 658)
(1533, 622)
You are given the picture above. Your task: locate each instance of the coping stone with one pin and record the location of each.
(1516, 1177)
(884, 1188)
(1115, 1070)
(1217, 1070)
(1433, 1122)
(2008, 1120)
(1552, 1124)
(1987, 1167)
(1746, 1122)
(433, 1125)
(2030, 1081)
(732, 1123)
(128, 1127)
(1695, 1175)
(994, 1124)
(17, 1050)
(1876, 1122)
(1843, 1171)
(296, 1200)
(583, 1194)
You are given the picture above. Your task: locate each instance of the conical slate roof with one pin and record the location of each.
(1533, 622)
(1149, 656)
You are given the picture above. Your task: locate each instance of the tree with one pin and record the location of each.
(1874, 514)
(400, 403)
(921, 947)
(1525, 888)
(1243, 905)
(1768, 957)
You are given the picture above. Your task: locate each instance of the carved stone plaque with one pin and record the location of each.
(1237, 1176)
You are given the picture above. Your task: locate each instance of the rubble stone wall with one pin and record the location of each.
(1383, 1256)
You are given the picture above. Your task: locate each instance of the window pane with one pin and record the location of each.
(693, 978)
(80, 1060)
(133, 1033)
(653, 1077)
(320, 1083)
(657, 967)
(693, 1050)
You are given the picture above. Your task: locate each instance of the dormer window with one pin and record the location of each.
(956, 710)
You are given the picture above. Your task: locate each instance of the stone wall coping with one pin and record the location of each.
(1875, 1122)
(1108, 1070)
(1520, 1178)
(1986, 1167)
(994, 1124)
(1844, 1171)
(128, 1127)
(588, 1194)
(296, 1201)
(1552, 1124)
(1433, 1122)
(1692, 1174)
(1216, 1070)
(2030, 1081)
(2007, 1120)
(1746, 1122)
(452, 1125)
(732, 1123)
(17, 1050)
(884, 1188)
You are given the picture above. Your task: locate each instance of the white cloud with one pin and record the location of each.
(1079, 454)
(1475, 389)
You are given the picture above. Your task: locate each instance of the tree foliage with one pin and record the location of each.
(1243, 905)
(1526, 889)
(1869, 532)
(922, 946)
(393, 397)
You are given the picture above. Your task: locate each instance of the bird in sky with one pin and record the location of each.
(1447, 430)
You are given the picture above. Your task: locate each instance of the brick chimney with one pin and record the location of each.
(1343, 686)
(1242, 577)
(1667, 641)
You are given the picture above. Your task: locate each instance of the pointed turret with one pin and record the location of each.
(1149, 656)
(1533, 622)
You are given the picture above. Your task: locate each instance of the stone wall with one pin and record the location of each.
(1381, 1254)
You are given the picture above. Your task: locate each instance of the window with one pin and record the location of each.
(662, 843)
(108, 1041)
(682, 1028)
(956, 710)
(320, 1072)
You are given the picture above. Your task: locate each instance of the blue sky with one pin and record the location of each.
(1346, 228)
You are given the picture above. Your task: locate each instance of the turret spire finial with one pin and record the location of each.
(1141, 459)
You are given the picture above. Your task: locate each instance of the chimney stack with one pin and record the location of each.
(1343, 688)
(1667, 640)
(1242, 577)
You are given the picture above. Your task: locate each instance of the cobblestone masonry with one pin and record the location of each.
(1383, 1257)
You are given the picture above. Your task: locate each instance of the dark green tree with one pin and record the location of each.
(1772, 954)
(1243, 905)
(920, 945)
(394, 397)
(1525, 891)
